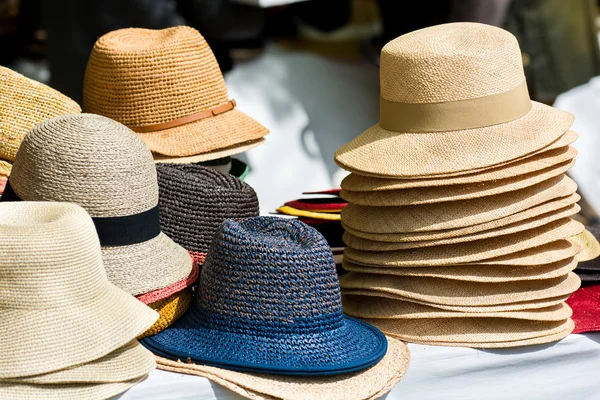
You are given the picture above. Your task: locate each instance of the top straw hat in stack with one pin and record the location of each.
(458, 222)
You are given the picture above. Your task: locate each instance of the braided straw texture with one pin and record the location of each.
(590, 248)
(270, 301)
(144, 77)
(194, 200)
(24, 103)
(169, 311)
(544, 254)
(104, 167)
(163, 293)
(56, 298)
(5, 168)
(370, 384)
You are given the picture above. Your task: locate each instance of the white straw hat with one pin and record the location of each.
(103, 166)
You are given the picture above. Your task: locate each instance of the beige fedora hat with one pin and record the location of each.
(105, 168)
(590, 248)
(531, 223)
(361, 183)
(58, 308)
(24, 103)
(166, 85)
(379, 307)
(369, 384)
(437, 194)
(454, 214)
(544, 254)
(476, 273)
(469, 252)
(475, 332)
(93, 391)
(467, 294)
(453, 98)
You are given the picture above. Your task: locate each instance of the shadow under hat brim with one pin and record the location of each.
(96, 391)
(403, 154)
(371, 383)
(44, 340)
(210, 135)
(356, 345)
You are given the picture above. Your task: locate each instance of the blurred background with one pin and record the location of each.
(308, 69)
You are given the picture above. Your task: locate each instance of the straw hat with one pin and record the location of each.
(538, 162)
(544, 254)
(169, 311)
(248, 318)
(24, 103)
(194, 200)
(590, 248)
(454, 214)
(56, 297)
(369, 384)
(163, 293)
(2, 184)
(94, 391)
(453, 98)
(5, 168)
(586, 309)
(104, 167)
(167, 86)
(437, 194)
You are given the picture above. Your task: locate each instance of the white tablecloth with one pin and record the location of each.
(566, 370)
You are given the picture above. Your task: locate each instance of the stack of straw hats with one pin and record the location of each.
(458, 222)
(166, 85)
(284, 335)
(104, 167)
(24, 103)
(67, 332)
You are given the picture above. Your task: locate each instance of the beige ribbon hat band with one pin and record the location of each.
(455, 115)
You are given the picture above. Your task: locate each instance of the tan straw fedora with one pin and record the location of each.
(453, 98)
(369, 384)
(454, 214)
(59, 309)
(24, 103)
(106, 168)
(166, 85)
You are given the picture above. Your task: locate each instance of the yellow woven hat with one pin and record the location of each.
(453, 98)
(166, 85)
(169, 310)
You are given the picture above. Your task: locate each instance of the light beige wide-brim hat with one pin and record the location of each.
(92, 391)
(438, 194)
(58, 308)
(443, 291)
(474, 272)
(368, 384)
(454, 214)
(378, 307)
(475, 332)
(590, 248)
(453, 99)
(469, 252)
(166, 85)
(544, 254)
(103, 166)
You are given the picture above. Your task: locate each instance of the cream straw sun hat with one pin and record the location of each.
(106, 168)
(58, 308)
(24, 103)
(167, 86)
(447, 92)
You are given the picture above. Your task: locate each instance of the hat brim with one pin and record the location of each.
(590, 248)
(544, 254)
(95, 391)
(144, 267)
(352, 347)
(586, 309)
(163, 293)
(437, 153)
(60, 337)
(369, 384)
(5, 168)
(226, 130)
(230, 151)
(169, 311)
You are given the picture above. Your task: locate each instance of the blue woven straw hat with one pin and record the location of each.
(269, 301)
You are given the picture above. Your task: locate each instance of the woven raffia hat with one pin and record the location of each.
(248, 318)
(453, 98)
(195, 200)
(24, 103)
(58, 308)
(104, 167)
(167, 86)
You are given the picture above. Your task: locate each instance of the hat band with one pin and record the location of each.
(212, 112)
(455, 115)
(115, 231)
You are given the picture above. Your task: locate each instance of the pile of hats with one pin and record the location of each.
(458, 222)
(322, 213)
(67, 332)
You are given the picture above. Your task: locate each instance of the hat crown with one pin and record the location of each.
(89, 160)
(269, 276)
(143, 76)
(49, 256)
(450, 62)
